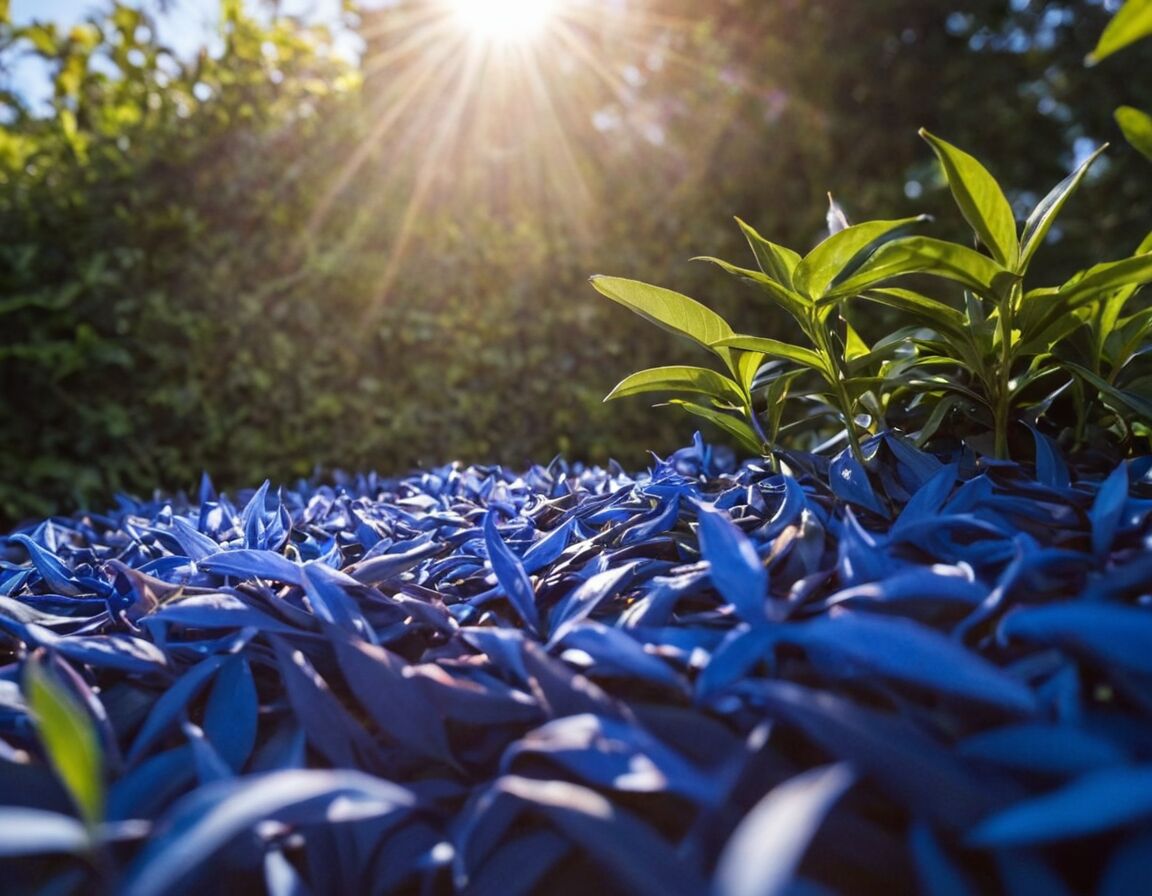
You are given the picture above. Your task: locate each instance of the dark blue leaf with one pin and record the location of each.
(393, 697)
(1099, 801)
(736, 569)
(936, 871)
(661, 520)
(1050, 467)
(1129, 867)
(1109, 633)
(209, 819)
(909, 767)
(1107, 509)
(510, 575)
(147, 789)
(1043, 748)
(640, 860)
(230, 715)
(762, 854)
(172, 704)
(388, 566)
(915, 654)
(587, 596)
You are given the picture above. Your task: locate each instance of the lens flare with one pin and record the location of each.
(504, 21)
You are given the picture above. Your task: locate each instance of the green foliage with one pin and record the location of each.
(1133, 22)
(990, 354)
(1137, 128)
(69, 739)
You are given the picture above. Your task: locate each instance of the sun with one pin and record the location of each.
(504, 21)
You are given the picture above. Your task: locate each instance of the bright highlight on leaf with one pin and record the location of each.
(504, 21)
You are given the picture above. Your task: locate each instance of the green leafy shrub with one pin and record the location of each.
(1001, 357)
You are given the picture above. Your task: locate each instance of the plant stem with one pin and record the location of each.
(1003, 406)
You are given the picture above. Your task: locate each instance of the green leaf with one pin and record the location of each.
(699, 380)
(777, 262)
(1038, 223)
(738, 429)
(1137, 129)
(1128, 401)
(1103, 278)
(922, 254)
(981, 200)
(927, 311)
(1130, 24)
(774, 348)
(748, 364)
(788, 299)
(674, 312)
(69, 739)
(842, 253)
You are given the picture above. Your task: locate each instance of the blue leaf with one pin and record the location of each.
(383, 567)
(1050, 467)
(1099, 801)
(195, 544)
(393, 697)
(230, 715)
(1129, 867)
(661, 520)
(253, 564)
(915, 654)
(544, 552)
(850, 483)
(1043, 748)
(736, 569)
(762, 854)
(330, 595)
(172, 704)
(608, 753)
(1107, 509)
(909, 767)
(935, 870)
(209, 819)
(1109, 633)
(641, 861)
(927, 501)
(510, 575)
(615, 652)
(587, 596)
(55, 574)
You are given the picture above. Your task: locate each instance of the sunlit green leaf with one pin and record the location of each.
(980, 199)
(69, 739)
(1132, 23)
(1137, 128)
(748, 365)
(774, 348)
(699, 380)
(1039, 222)
(738, 429)
(922, 254)
(784, 296)
(777, 262)
(838, 256)
(674, 312)
(1103, 278)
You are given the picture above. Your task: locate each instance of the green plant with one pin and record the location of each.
(995, 353)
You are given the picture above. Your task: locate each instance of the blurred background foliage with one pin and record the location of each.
(269, 259)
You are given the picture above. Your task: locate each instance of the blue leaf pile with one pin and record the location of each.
(909, 676)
